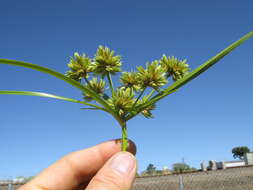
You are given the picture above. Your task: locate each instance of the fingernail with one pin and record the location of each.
(124, 163)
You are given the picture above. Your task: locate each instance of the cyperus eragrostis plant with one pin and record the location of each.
(139, 90)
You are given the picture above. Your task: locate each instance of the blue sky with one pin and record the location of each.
(202, 121)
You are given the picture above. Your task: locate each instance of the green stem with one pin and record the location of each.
(87, 81)
(124, 140)
(151, 93)
(139, 97)
(145, 105)
(110, 82)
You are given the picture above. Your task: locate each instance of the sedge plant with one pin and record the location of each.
(138, 92)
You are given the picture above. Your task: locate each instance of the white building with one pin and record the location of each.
(249, 158)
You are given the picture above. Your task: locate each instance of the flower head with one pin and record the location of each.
(174, 67)
(80, 66)
(153, 76)
(106, 62)
(96, 86)
(130, 80)
(147, 111)
(122, 100)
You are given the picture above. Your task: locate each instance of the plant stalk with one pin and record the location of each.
(150, 94)
(110, 82)
(124, 141)
(88, 82)
(138, 97)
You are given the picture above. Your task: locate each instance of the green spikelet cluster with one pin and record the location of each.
(122, 100)
(126, 98)
(130, 80)
(106, 62)
(131, 93)
(153, 76)
(80, 66)
(174, 67)
(97, 86)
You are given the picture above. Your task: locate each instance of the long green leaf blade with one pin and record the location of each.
(175, 86)
(62, 77)
(202, 68)
(41, 94)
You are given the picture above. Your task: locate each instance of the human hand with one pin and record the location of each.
(102, 167)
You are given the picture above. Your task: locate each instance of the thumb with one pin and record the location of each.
(118, 173)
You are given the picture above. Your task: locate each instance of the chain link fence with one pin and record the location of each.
(229, 179)
(10, 186)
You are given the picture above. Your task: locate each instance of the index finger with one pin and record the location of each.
(76, 168)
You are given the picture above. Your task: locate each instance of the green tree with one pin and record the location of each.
(151, 169)
(158, 172)
(23, 178)
(239, 152)
(181, 167)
